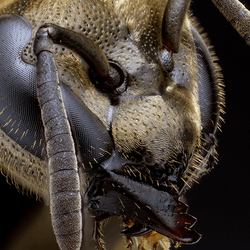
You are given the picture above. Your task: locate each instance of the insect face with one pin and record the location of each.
(113, 111)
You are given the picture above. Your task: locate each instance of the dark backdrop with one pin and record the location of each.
(220, 201)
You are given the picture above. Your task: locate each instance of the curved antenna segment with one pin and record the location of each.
(237, 14)
(83, 46)
(173, 20)
(65, 198)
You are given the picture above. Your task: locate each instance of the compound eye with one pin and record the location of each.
(114, 81)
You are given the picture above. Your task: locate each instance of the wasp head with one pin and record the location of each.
(141, 103)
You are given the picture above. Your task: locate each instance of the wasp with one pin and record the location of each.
(110, 111)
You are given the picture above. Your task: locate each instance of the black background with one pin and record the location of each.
(220, 202)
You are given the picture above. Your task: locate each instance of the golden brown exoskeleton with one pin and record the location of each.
(111, 106)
